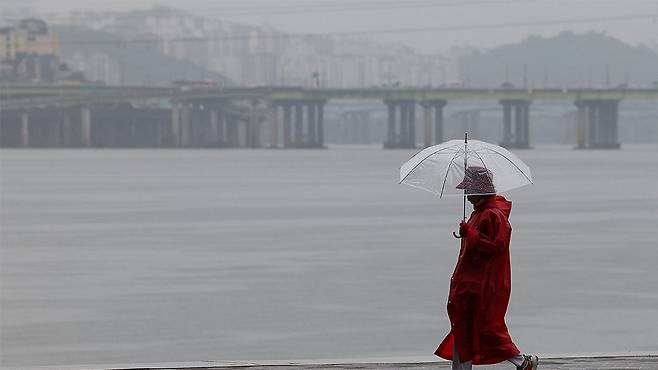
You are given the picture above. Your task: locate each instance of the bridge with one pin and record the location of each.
(276, 117)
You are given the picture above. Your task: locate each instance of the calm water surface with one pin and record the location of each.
(130, 256)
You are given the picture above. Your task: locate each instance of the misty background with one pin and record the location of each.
(529, 44)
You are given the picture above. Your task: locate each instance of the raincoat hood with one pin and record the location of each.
(497, 201)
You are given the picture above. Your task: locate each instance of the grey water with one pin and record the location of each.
(142, 256)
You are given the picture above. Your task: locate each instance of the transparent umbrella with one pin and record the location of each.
(441, 169)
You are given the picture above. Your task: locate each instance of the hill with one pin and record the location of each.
(590, 59)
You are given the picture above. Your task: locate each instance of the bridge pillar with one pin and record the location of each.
(507, 122)
(252, 132)
(311, 139)
(363, 127)
(404, 125)
(411, 139)
(303, 123)
(232, 133)
(427, 124)
(254, 125)
(518, 135)
(214, 137)
(287, 125)
(598, 124)
(608, 125)
(438, 120)
(581, 125)
(221, 126)
(433, 129)
(186, 122)
(25, 130)
(315, 124)
(320, 123)
(174, 128)
(401, 134)
(204, 127)
(274, 120)
(194, 126)
(66, 139)
(390, 133)
(298, 141)
(85, 127)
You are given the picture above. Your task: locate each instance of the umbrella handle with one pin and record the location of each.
(456, 236)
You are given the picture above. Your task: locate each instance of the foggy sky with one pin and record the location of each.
(419, 14)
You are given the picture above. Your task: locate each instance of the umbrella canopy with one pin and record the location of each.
(441, 169)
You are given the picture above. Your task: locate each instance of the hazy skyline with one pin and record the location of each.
(323, 16)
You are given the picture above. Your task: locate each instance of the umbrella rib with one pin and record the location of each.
(419, 163)
(481, 160)
(448, 169)
(512, 162)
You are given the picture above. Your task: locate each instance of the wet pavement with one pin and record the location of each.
(648, 362)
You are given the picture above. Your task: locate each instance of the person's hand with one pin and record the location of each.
(464, 229)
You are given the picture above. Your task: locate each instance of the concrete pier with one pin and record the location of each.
(427, 125)
(298, 138)
(598, 122)
(25, 130)
(174, 131)
(221, 126)
(411, 124)
(232, 131)
(517, 135)
(275, 122)
(354, 126)
(320, 123)
(311, 137)
(114, 126)
(287, 125)
(401, 132)
(184, 125)
(85, 127)
(432, 121)
(438, 106)
(303, 123)
(213, 137)
(253, 126)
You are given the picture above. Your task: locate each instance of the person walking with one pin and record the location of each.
(480, 286)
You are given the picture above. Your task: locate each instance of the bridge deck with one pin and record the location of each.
(98, 93)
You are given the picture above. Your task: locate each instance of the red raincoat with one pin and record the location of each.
(480, 288)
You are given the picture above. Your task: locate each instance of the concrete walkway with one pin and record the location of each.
(645, 362)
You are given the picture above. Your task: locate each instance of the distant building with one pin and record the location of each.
(30, 53)
(8, 44)
(33, 38)
(253, 56)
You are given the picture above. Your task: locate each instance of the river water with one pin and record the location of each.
(137, 256)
